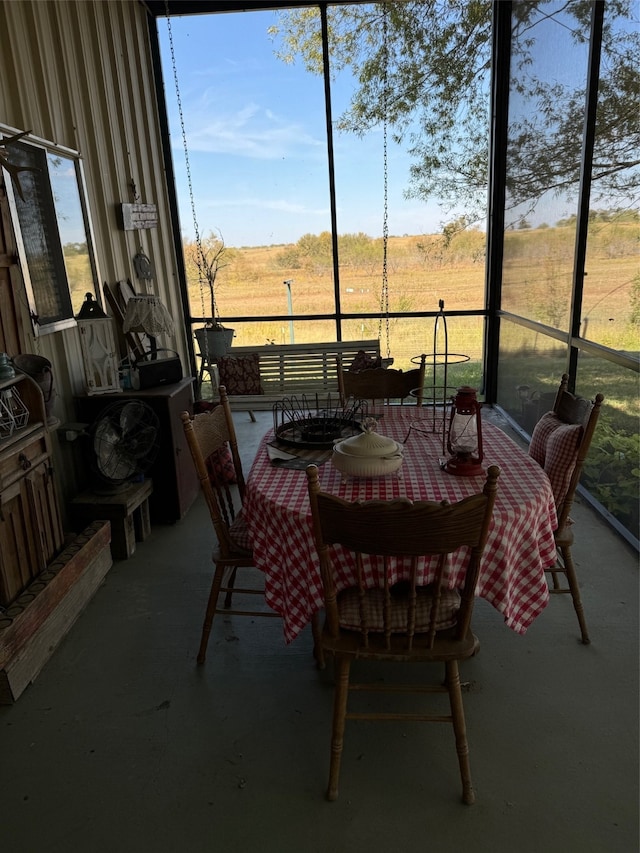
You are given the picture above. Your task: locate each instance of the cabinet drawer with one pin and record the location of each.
(21, 456)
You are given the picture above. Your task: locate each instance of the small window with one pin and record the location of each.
(53, 234)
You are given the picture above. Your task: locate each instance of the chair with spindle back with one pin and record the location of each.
(560, 443)
(381, 618)
(380, 385)
(213, 444)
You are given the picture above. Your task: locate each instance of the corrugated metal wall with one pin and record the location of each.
(79, 74)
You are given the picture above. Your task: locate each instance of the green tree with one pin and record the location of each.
(358, 250)
(312, 252)
(430, 77)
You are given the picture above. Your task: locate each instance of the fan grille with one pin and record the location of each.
(125, 441)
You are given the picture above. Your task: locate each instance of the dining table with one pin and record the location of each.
(519, 547)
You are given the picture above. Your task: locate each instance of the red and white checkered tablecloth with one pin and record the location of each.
(519, 548)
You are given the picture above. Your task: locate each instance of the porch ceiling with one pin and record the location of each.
(158, 8)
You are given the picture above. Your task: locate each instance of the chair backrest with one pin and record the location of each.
(211, 438)
(381, 385)
(560, 443)
(379, 533)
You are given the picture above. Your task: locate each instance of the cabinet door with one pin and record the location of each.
(40, 485)
(186, 479)
(30, 531)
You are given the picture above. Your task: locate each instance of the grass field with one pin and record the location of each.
(538, 271)
(422, 270)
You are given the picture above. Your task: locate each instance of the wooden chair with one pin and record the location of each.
(381, 385)
(212, 441)
(560, 443)
(399, 622)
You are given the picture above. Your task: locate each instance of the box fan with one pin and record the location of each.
(124, 442)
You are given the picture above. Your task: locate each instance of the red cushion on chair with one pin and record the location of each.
(547, 424)
(349, 605)
(554, 446)
(562, 452)
(239, 532)
(220, 466)
(240, 375)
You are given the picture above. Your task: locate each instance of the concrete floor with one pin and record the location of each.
(123, 745)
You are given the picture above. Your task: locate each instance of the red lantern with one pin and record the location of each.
(464, 439)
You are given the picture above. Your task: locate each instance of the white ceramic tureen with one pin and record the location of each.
(368, 454)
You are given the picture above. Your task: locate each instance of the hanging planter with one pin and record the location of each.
(214, 340)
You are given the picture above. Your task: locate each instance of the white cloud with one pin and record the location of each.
(251, 132)
(280, 205)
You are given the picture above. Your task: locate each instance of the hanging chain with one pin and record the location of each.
(200, 260)
(384, 296)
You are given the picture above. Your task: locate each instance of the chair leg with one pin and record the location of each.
(230, 583)
(457, 716)
(340, 694)
(210, 613)
(572, 580)
(316, 630)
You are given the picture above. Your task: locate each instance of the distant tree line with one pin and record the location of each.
(314, 252)
(69, 249)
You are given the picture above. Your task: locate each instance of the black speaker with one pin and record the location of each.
(149, 372)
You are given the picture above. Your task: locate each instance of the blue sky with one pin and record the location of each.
(257, 142)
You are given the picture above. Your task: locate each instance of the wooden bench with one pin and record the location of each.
(127, 510)
(288, 370)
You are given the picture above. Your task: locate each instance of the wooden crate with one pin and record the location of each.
(35, 623)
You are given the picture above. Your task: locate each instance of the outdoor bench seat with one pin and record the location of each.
(288, 370)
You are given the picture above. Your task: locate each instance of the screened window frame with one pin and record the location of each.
(35, 290)
(493, 311)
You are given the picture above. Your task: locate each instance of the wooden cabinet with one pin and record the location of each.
(30, 526)
(175, 484)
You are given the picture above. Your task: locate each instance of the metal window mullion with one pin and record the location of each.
(331, 164)
(584, 192)
(500, 63)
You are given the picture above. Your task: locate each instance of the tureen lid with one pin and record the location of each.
(368, 443)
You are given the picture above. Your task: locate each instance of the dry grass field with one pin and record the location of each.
(422, 270)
